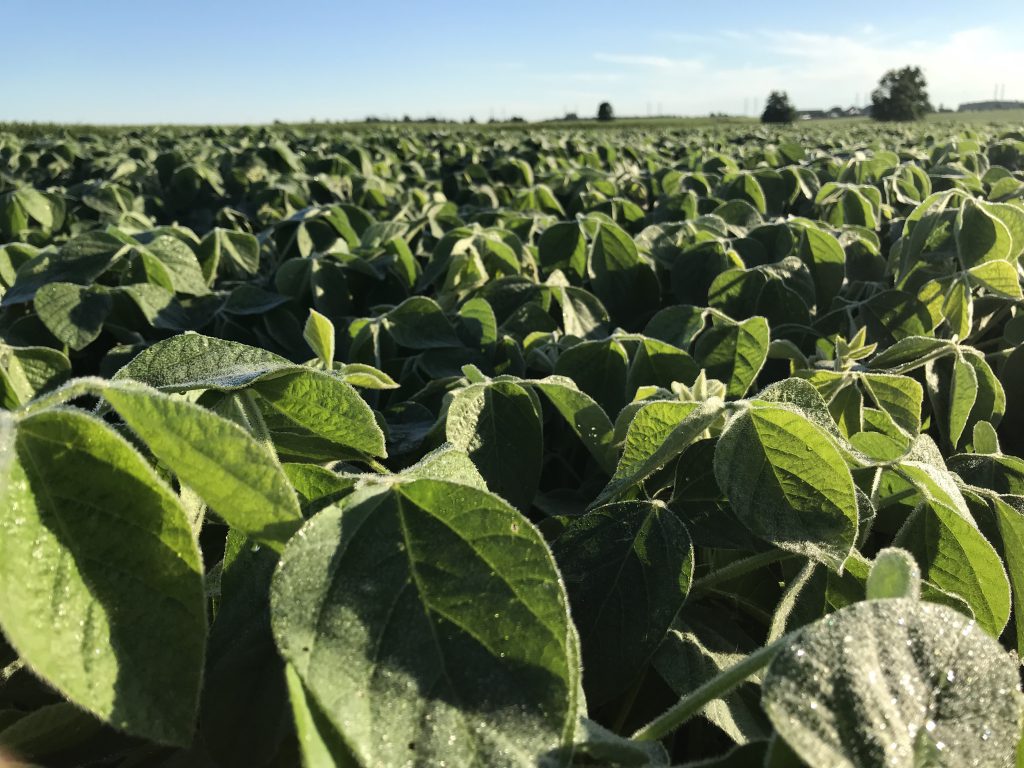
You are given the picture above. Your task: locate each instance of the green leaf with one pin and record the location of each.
(325, 406)
(36, 205)
(47, 732)
(658, 433)
(364, 376)
(180, 264)
(692, 655)
(955, 557)
(980, 236)
(320, 745)
(313, 482)
(627, 568)
(984, 438)
(587, 419)
(895, 682)
(1010, 520)
(788, 483)
(999, 474)
(420, 323)
(677, 325)
(81, 260)
(599, 368)
(963, 392)
(499, 427)
(734, 354)
(894, 574)
(656, 363)
(225, 251)
(319, 334)
(604, 747)
(244, 716)
(27, 371)
(562, 246)
(825, 257)
(73, 314)
(624, 282)
(101, 588)
(910, 352)
(447, 463)
(891, 316)
(237, 476)
(193, 361)
(370, 606)
(899, 396)
(999, 277)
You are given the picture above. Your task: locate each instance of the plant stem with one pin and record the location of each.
(257, 425)
(376, 466)
(736, 569)
(10, 670)
(715, 688)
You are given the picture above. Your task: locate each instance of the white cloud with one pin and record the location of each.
(656, 62)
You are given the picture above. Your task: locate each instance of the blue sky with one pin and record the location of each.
(226, 61)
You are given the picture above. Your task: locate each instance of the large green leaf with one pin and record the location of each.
(101, 587)
(658, 433)
(895, 682)
(788, 483)
(954, 556)
(193, 361)
(825, 257)
(734, 353)
(429, 623)
(498, 426)
(81, 260)
(624, 282)
(980, 236)
(73, 314)
(326, 406)
(238, 476)
(627, 567)
(587, 419)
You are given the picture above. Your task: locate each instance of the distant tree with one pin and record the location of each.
(901, 95)
(778, 109)
(604, 112)
(571, 116)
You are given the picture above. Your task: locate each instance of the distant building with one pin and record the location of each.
(984, 106)
(834, 112)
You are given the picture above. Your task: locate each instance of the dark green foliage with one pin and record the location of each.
(778, 109)
(425, 446)
(901, 95)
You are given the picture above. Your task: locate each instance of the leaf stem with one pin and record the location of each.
(736, 569)
(715, 688)
(254, 416)
(11, 670)
(376, 466)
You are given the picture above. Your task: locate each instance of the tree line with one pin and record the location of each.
(901, 95)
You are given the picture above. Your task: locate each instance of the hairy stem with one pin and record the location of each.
(716, 688)
(736, 569)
